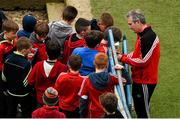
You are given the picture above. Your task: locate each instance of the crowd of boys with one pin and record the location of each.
(51, 71)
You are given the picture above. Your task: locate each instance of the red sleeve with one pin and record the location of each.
(32, 75)
(114, 79)
(102, 48)
(57, 83)
(35, 114)
(41, 54)
(84, 90)
(63, 68)
(139, 61)
(1, 57)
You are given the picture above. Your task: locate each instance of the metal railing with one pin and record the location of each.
(119, 89)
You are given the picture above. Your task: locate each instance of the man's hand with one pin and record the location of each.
(118, 67)
(119, 56)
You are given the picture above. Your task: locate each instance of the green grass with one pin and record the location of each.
(164, 16)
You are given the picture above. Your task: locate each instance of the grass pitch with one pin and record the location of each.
(164, 17)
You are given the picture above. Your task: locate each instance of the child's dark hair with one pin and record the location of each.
(116, 33)
(41, 28)
(9, 25)
(23, 43)
(69, 13)
(109, 101)
(93, 38)
(2, 18)
(52, 49)
(106, 19)
(81, 25)
(75, 62)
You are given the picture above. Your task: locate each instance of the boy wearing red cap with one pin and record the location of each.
(49, 110)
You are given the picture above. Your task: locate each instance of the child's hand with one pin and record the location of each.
(32, 53)
(123, 81)
(118, 67)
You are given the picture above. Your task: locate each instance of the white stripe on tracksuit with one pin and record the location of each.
(146, 98)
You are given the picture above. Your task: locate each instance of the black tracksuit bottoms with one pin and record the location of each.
(141, 95)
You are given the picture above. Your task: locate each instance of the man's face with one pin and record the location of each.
(135, 26)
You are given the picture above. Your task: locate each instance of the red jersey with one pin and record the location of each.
(6, 47)
(68, 86)
(70, 44)
(40, 81)
(88, 90)
(48, 112)
(41, 54)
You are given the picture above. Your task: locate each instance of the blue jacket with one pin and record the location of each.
(87, 56)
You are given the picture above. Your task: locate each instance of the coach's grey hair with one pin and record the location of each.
(136, 15)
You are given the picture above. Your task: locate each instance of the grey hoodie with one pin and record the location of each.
(58, 31)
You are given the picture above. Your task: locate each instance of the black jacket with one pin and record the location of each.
(15, 73)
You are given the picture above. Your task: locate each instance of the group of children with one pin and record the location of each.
(49, 70)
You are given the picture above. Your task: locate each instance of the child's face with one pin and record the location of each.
(88, 29)
(10, 35)
(41, 38)
(28, 51)
(101, 26)
(85, 32)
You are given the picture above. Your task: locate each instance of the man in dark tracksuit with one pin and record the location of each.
(15, 72)
(144, 61)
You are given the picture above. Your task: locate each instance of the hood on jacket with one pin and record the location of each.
(34, 39)
(22, 33)
(59, 30)
(29, 22)
(75, 44)
(99, 80)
